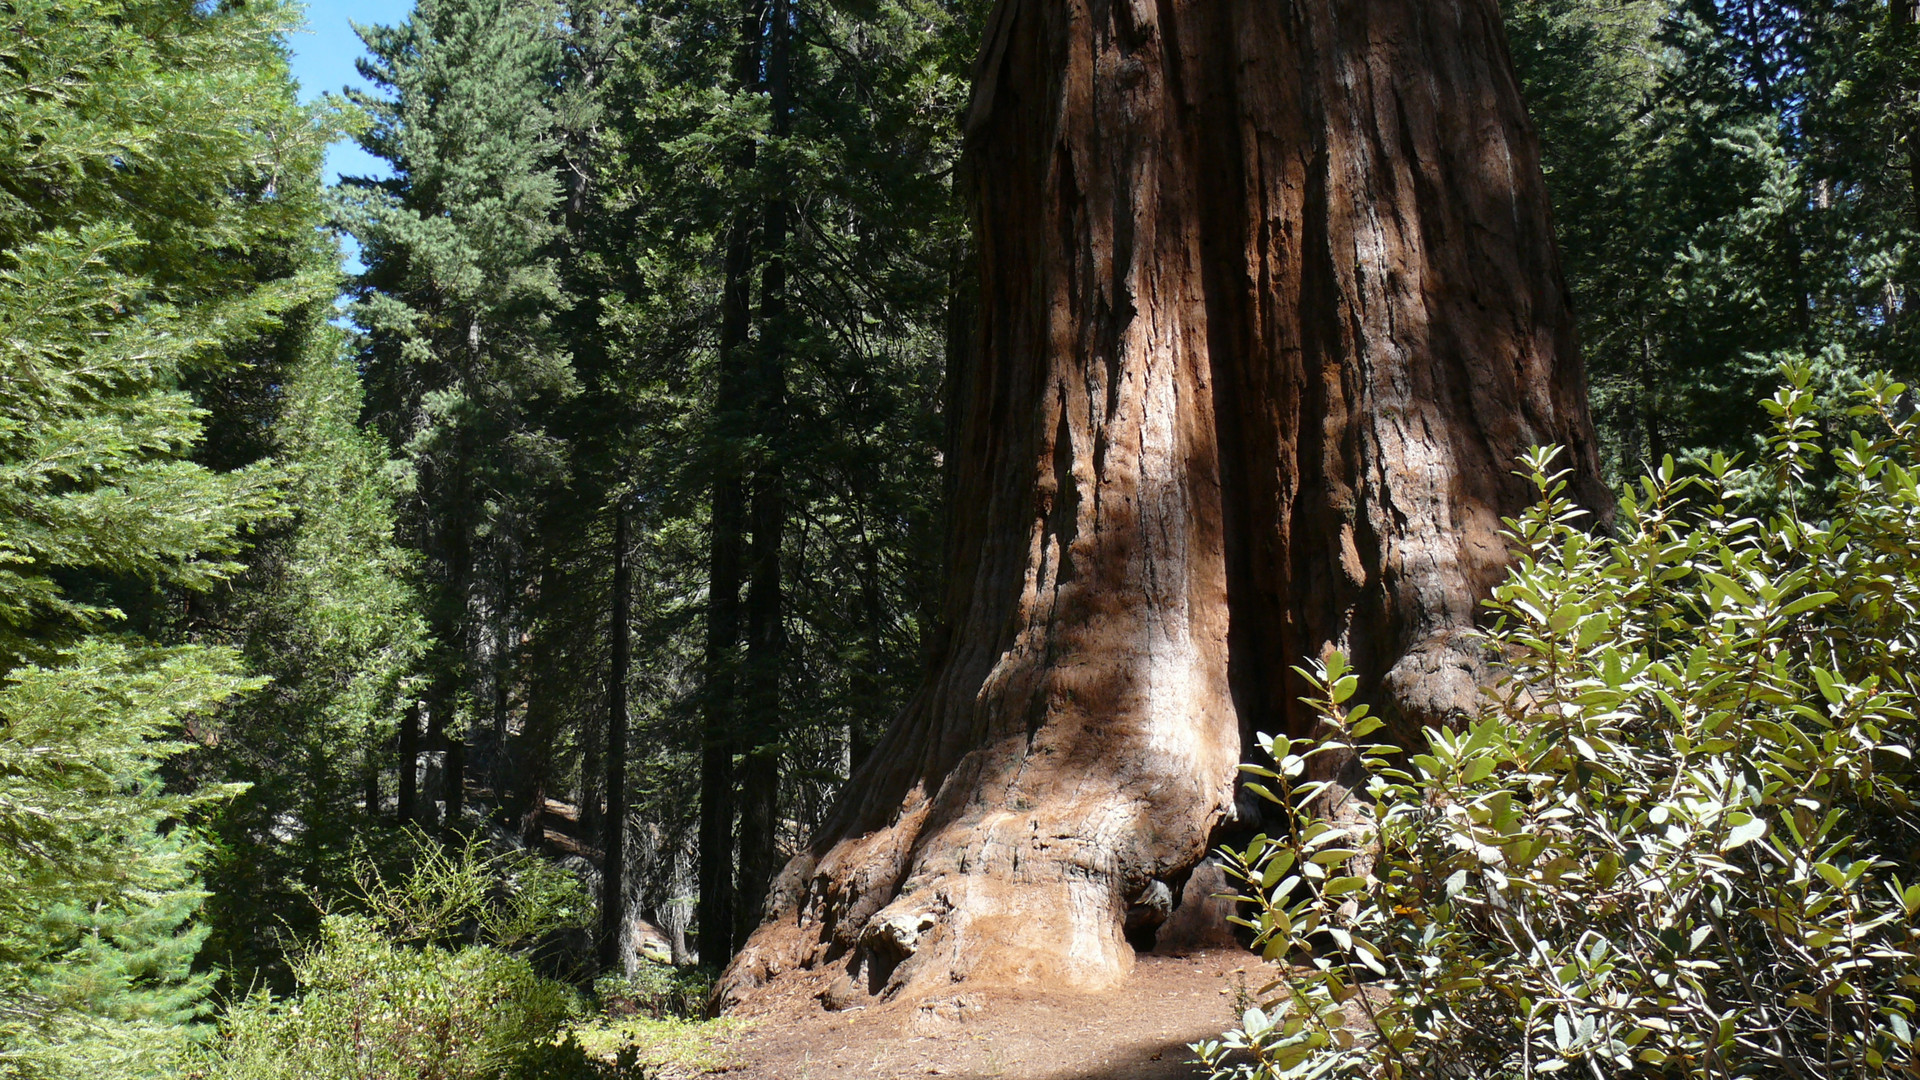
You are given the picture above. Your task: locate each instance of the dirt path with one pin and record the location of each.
(1138, 1031)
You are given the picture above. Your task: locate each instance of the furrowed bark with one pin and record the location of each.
(1268, 305)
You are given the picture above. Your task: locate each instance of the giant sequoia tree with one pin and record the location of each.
(1268, 303)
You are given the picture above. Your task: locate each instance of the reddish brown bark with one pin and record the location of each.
(1268, 305)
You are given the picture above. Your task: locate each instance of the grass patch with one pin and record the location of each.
(674, 1048)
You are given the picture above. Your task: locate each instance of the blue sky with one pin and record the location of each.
(323, 56)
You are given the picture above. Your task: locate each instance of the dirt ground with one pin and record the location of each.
(1137, 1031)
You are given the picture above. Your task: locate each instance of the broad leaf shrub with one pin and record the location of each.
(368, 1007)
(1678, 842)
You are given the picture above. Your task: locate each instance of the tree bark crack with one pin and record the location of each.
(1268, 306)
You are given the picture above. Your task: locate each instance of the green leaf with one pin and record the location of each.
(1341, 886)
(1808, 603)
(1744, 833)
(1261, 790)
(1828, 688)
(1343, 688)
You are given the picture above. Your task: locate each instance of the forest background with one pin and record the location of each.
(596, 512)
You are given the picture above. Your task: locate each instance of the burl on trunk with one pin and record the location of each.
(1268, 305)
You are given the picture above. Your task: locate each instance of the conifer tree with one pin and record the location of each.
(327, 610)
(151, 157)
(459, 300)
(695, 227)
(1733, 190)
(794, 236)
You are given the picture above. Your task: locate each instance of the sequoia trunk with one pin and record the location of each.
(1268, 305)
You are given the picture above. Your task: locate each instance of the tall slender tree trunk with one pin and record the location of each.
(613, 907)
(1269, 303)
(759, 787)
(766, 637)
(370, 772)
(532, 752)
(724, 572)
(500, 777)
(406, 797)
(454, 629)
(1906, 18)
(866, 673)
(444, 734)
(726, 558)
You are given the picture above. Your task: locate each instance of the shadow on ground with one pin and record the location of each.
(1161, 1061)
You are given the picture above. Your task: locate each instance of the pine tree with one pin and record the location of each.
(1733, 192)
(327, 610)
(151, 157)
(458, 301)
(794, 238)
(674, 180)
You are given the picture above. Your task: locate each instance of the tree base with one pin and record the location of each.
(1269, 306)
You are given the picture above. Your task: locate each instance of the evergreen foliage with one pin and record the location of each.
(696, 268)
(641, 160)
(327, 610)
(458, 302)
(151, 157)
(426, 980)
(824, 391)
(1735, 190)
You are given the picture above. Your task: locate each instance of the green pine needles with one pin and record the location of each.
(1733, 186)
(151, 157)
(1680, 842)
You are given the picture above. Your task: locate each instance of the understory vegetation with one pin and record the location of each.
(1679, 842)
(452, 963)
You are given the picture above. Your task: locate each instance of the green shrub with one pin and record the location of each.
(426, 892)
(421, 982)
(658, 991)
(367, 1008)
(1678, 842)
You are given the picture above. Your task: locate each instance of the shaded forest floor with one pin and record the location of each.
(1137, 1031)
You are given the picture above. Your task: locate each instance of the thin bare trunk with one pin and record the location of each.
(407, 795)
(725, 567)
(866, 672)
(613, 907)
(532, 755)
(766, 637)
(724, 571)
(453, 774)
(370, 772)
